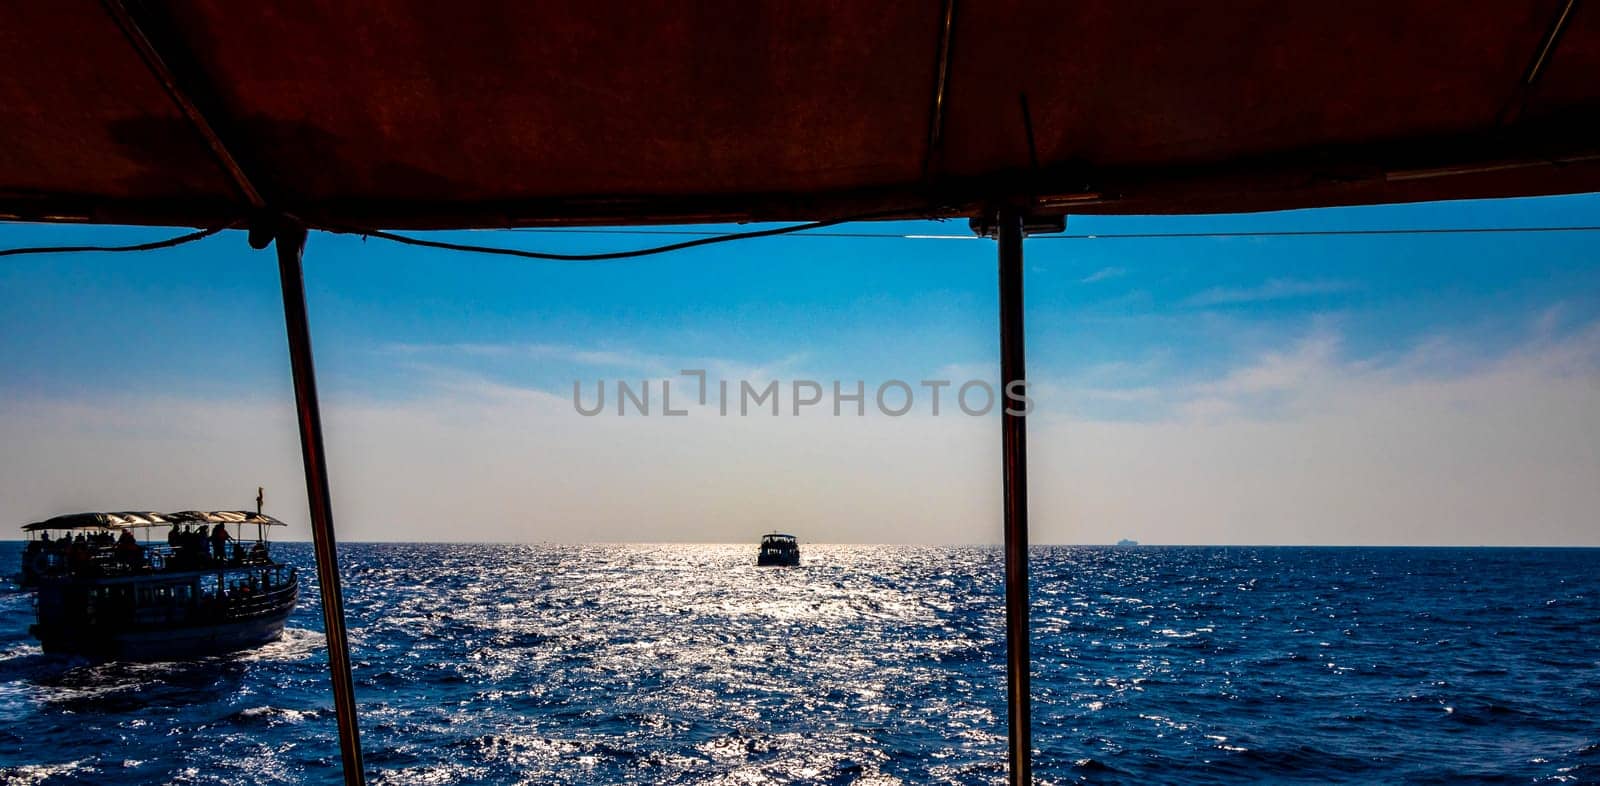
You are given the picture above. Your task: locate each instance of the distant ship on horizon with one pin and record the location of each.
(779, 549)
(1127, 542)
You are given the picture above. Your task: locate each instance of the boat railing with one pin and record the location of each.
(162, 558)
(195, 599)
(247, 603)
(113, 561)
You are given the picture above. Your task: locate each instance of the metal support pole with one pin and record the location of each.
(290, 240)
(1014, 453)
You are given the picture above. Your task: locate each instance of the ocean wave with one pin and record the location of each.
(871, 665)
(27, 774)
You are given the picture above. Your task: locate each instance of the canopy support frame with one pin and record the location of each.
(1009, 231)
(941, 81)
(182, 91)
(290, 242)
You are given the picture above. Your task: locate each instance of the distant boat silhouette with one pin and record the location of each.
(1126, 542)
(779, 549)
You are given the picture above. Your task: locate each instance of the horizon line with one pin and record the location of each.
(994, 545)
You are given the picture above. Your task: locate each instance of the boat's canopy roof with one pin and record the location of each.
(505, 113)
(131, 519)
(777, 536)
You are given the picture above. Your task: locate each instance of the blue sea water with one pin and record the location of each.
(867, 665)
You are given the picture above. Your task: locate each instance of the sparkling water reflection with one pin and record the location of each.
(867, 665)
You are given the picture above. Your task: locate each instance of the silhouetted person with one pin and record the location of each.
(178, 539)
(219, 542)
(193, 543)
(78, 555)
(129, 552)
(190, 548)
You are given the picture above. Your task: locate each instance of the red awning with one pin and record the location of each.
(425, 114)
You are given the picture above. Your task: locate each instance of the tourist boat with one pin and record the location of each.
(779, 549)
(105, 594)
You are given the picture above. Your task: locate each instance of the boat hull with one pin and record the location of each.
(782, 560)
(68, 624)
(168, 643)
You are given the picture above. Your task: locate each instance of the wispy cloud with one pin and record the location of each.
(1496, 450)
(1279, 370)
(474, 369)
(1103, 274)
(1308, 443)
(1141, 394)
(1275, 289)
(1295, 378)
(626, 359)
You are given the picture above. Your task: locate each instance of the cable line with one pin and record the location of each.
(150, 246)
(706, 238)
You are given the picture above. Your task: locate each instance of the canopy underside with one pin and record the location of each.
(418, 114)
(131, 519)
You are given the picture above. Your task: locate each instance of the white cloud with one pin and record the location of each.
(1103, 274)
(623, 359)
(1501, 450)
(1276, 289)
(1147, 393)
(1278, 371)
(482, 461)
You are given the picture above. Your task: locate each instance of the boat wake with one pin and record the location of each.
(28, 774)
(296, 644)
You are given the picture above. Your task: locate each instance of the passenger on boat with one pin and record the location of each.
(78, 556)
(219, 542)
(129, 553)
(185, 553)
(192, 544)
(175, 542)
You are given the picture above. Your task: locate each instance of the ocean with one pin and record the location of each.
(686, 664)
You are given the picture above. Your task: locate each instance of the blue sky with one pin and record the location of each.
(1184, 337)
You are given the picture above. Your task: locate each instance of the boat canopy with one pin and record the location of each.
(503, 113)
(778, 536)
(132, 519)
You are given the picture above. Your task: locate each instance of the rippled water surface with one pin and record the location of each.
(867, 665)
